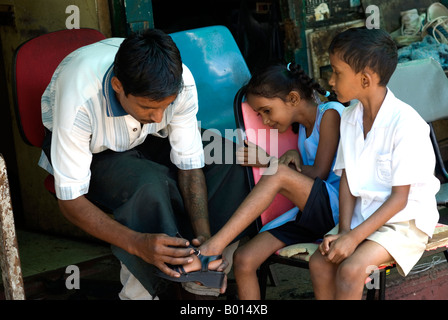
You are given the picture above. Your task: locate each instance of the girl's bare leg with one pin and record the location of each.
(288, 182)
(248, 258)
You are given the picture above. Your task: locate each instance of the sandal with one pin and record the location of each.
(208, 278)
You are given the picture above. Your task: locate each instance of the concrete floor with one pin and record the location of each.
(44, 259)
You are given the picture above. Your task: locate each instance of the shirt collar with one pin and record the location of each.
(383, 116)
(113, 106)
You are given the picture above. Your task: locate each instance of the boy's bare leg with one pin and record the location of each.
(346, 280)
(353, 271)
(323, 276)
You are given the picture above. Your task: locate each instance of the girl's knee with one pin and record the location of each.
(239, 257)
(283, 171)
(243, 261)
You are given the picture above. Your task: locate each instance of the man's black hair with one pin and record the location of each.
(372, 48)
(148, 64)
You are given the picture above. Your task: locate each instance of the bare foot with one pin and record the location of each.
(196, 265)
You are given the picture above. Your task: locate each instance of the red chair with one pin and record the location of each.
(249, 124)
(34, 64)
(253, 129)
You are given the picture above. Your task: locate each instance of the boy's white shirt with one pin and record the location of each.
(397, 151)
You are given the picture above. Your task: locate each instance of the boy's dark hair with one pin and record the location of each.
(148, 64)
(362, 47)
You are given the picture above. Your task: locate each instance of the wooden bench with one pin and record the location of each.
(303, 251)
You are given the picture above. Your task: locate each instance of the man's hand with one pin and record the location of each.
(156, 249)
(160, 250)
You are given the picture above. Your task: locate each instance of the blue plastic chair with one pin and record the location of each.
(219, 69)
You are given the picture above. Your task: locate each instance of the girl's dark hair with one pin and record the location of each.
(362, 47)
(277, 81)
(148, 64)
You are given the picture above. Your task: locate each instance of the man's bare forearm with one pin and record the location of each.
(156, 249)
(85, 215)
(194, 192)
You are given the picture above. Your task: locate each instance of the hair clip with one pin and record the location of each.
(288, 66)
(327, 94)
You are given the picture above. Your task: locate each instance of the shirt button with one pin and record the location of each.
(135, 129)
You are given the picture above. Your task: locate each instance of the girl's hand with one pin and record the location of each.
(252, 155)
(292, 158)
